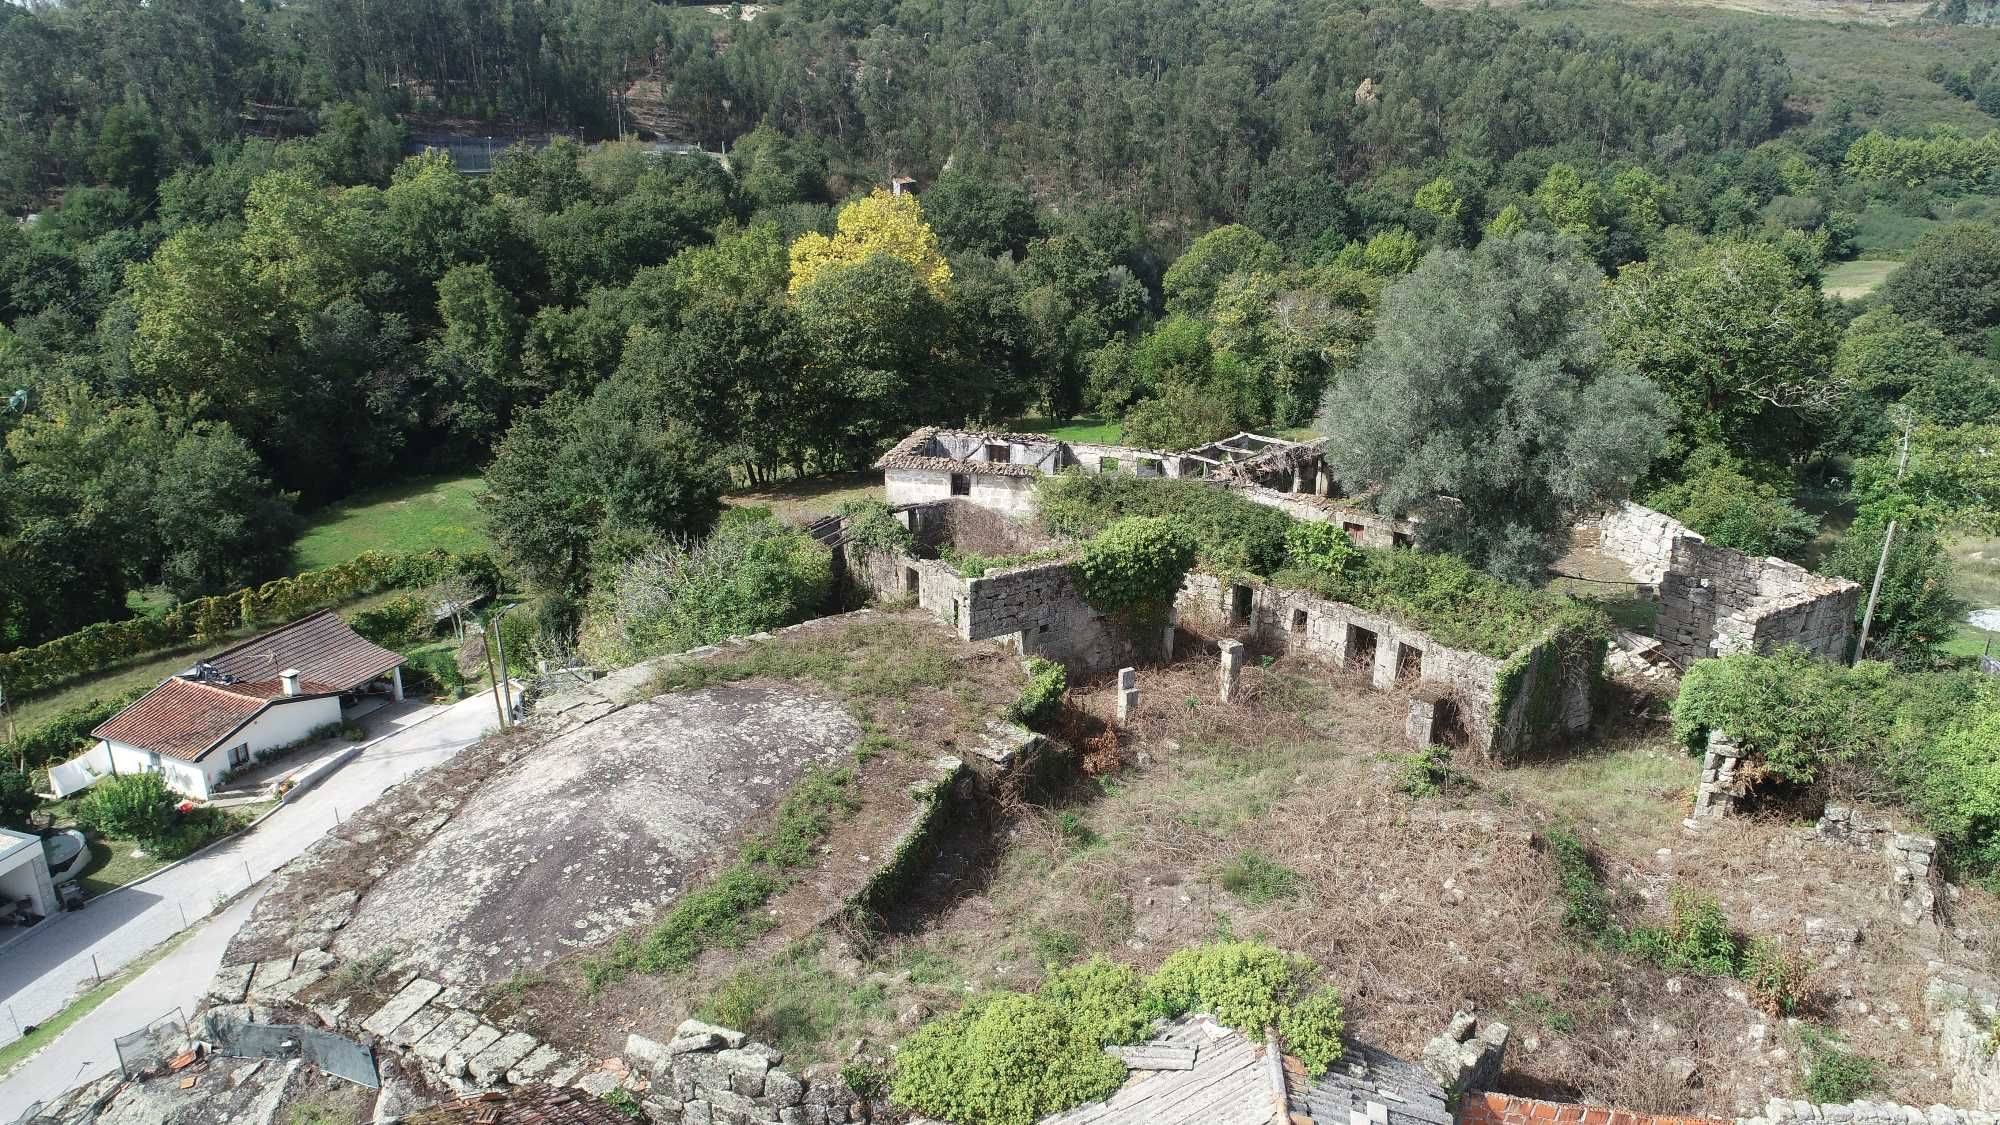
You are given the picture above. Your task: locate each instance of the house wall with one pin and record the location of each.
(1376, 530)
(1639, 537)
(1138, 462)
(1013, 495)
(1715, 601)
(25, 874)
(279, 725)
(1301, 622)
(1035, 610)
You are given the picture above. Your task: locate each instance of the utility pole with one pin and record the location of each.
(489, 630)
(1882, 564)
(500, 654)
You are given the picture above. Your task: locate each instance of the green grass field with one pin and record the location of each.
(1095, 430)
(440, 513)
(1976, 578)
(1850, 281)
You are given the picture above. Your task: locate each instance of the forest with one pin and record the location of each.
(230, 297)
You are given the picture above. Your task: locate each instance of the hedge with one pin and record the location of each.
(58, 737)
(23, 672)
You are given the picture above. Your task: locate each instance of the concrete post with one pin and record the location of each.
(1128, 693)
(396, 678)
(1232, 668)
(1298, 479)
(1167, 635)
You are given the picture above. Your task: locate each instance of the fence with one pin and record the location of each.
(335, 1054)
(151, 1045)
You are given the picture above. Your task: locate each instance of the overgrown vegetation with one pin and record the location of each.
(1134, 567)
(1008, 1058)
(1042, 698)
(749, 575)
(1834, 1073)
(1928, 739)
(139, 806)
(1697, 937)
(871, 524)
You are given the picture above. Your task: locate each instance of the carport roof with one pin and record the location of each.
(13, 843)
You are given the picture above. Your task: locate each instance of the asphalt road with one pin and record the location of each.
(45, 969)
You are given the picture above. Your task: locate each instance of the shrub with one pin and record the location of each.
(1716, 498)
(1134, 567)
(751, 574)
(17, 799)
(1234, 534)
(1312, 1027)
(400, 622)
(1321, 547)
(1833, 1074)
(132, 806)
(1105, 998)
(1042, 698)
(871, 524)
(1428, 773)
(1586, 906)
(1779, 980)
(1257, 880)
(1006, 1058)
(1244, 984)
(1009, 1057)
(1699, 938)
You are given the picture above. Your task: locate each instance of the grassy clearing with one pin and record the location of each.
(46, 1032)
(1094, 430)
(148, 670)
(1880, 68)
(1976, 578)
(433, 513)
(1849, 281)
(802, 501)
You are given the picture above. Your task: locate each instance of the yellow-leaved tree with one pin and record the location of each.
(880, 224)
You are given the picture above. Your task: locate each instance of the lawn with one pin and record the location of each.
(802, 501)
(1095, 430)
(433, 513)
(1976, 578)
(1849, 281)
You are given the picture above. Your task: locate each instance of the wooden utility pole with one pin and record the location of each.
(500, 691)
(1882, 564)
(489, 673)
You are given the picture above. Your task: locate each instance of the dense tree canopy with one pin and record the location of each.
(1490, 404)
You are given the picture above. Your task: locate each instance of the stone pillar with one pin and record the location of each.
(1298, 479)
(1421, 724)
(1718, 793)
(1128, 693)
(1167, 635)
(1232, 668)
(1323, 481)
(1910, 860)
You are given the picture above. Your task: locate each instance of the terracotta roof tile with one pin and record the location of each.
(910, 454)
(187, 718)
(180, 718)
(329, 656)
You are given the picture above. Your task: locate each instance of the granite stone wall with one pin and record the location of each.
(1715, 601)
(1392, 653)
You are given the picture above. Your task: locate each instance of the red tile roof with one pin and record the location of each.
(330, 656)
(186, 718)
(180, 718)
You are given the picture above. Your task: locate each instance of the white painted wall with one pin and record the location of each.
(1009, 495)
(24, 872)
(279, 725)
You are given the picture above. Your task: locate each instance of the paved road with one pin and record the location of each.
(45, 969)
(85, 1052)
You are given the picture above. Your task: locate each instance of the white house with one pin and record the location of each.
(270, 691)
(24, 873)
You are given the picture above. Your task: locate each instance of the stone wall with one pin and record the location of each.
(1390, 652)
(1965, 1014)
(1715, 601)
(1781, 1111)
(1013, 495)
(1721, 789)
(1365, 528)
(1034, 610)
(1911, 859)
(1639, 537)
(707, 1075)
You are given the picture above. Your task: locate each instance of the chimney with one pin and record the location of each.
(290, 678)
